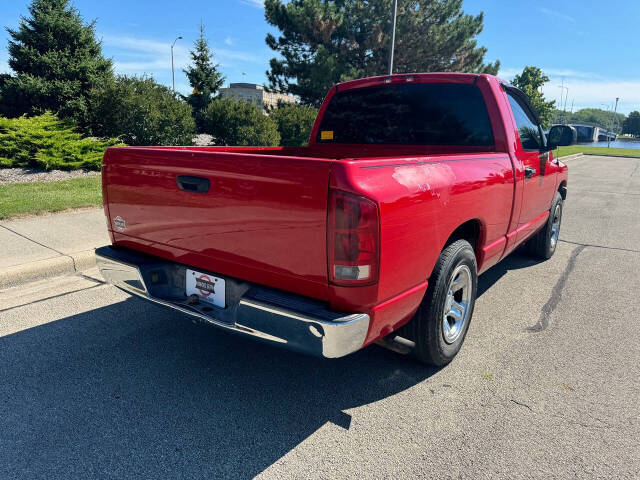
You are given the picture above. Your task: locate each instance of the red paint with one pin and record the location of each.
(265, 217)
(407, 293)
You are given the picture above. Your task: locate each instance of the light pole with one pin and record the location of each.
(564, 108)
(173, 77)
(561, 93)
(613, 117)
(393, 35)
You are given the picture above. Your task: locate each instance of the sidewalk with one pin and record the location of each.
(40, 247)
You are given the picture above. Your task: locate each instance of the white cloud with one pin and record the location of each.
(139, 68)
(4, 62)
(228, 41)
(140, 55)
(509, 73)
(557, 15)
(254, 3)
(237, 56)
(143, 55)
(586, 89)
(136, 45)
(587, 94)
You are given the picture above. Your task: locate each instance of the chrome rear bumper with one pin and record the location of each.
(269, 315)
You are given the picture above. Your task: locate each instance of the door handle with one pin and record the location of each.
(193, 184)
(529, 172)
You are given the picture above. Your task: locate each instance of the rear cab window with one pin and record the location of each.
(408, 114)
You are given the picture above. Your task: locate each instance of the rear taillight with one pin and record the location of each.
(352, 239)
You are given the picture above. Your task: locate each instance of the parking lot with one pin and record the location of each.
(96, 383)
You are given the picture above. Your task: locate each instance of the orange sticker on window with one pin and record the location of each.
(326, 135)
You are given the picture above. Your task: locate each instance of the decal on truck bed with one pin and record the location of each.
(119, 223)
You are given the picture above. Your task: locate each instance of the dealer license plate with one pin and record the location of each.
(208, 288)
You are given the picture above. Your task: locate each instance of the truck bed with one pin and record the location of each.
(263, 218)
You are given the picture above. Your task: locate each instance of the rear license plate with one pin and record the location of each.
(208, 288)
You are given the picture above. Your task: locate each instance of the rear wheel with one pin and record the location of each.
(441, 323)
(543, 244)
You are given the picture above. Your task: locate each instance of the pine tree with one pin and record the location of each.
(204, 77)
(56, 61)
(327, 41)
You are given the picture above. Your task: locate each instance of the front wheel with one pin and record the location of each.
(441, 323)
(543, 244)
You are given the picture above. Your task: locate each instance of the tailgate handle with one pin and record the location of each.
(193, 184)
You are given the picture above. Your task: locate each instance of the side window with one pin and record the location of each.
(530, 133)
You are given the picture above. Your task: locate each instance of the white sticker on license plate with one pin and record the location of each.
(208, 288)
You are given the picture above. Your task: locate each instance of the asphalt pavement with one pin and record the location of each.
(96, 384)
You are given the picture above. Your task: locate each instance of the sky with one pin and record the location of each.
(593, 47)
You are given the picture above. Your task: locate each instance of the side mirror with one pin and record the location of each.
(562, 135)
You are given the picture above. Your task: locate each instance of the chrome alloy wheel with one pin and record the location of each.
(456, 308)
(555, 226)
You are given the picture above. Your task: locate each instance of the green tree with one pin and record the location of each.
(596, 116)
(294, 123)
(323, 42)
(530, 81)
(233, 122)
(204, 78)
(632, 124)
(141, 112)
(56, 60)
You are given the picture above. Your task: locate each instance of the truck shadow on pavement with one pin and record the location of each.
(515, 261)
(133, 389)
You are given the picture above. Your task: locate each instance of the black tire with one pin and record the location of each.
(427, 328)
(543, 244)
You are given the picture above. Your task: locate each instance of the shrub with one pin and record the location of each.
(239, 123)
(49, 143)
(294, 123)
(140, 112)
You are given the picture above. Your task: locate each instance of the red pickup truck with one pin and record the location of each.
(411, 186)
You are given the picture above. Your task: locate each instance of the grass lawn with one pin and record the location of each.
(43, 197)
(614, 152)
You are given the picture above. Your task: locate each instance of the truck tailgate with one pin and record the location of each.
(262, 219)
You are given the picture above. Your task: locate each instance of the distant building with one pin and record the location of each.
(253, 93)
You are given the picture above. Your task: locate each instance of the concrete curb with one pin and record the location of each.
(605, 155)
(569, 157)
(578, 155)
(47, 268)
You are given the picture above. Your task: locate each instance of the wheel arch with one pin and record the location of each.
(562, 189)
(472, 231)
